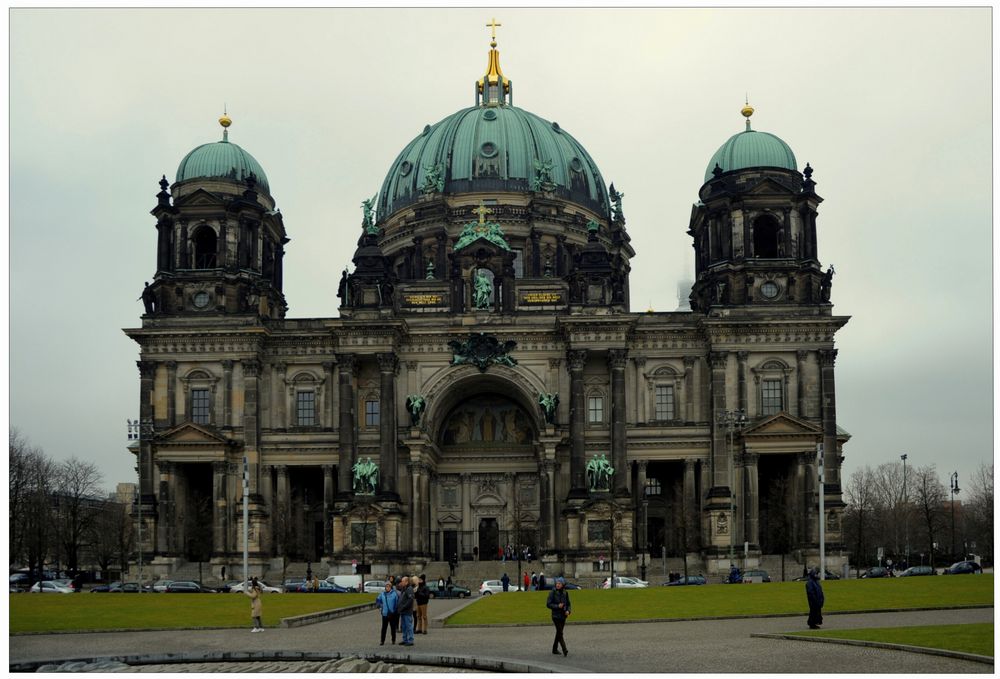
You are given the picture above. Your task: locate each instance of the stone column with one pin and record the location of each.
(720, 445)
(219, 507)
(282, 510)
(165, 520)
(641, 414)
(147, 378)
(577, 359)
(171, 393)
(227, 393)
(251, 421)
(183, 247)
(419, 270)
(807, 464)
(441, 265)
(536, 254)
(416, 501)
(741, 360)
(387, 364)
(425, 509)
(751, 502)
(267, 495)
(345, 449)
(281, 391)
(616, 364)
(690, 393)
(800, 374)
(466, 514)
(329, 491)
(326, 420)
(643, 527)
(691, 508)
(827, 358)
(222, 254)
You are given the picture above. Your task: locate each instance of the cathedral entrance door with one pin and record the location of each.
(489, 538)
(450, 545)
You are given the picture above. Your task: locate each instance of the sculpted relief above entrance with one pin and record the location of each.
(487, 421)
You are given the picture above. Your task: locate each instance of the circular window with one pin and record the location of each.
(576, 165)
(489, 114)
(201, 299)
(488, 149)
(769, 289)
(404, 168)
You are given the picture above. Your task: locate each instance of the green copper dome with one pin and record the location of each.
(751, 148)
(221, 159)
(493, 148)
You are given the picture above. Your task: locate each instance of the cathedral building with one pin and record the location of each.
(485, 382)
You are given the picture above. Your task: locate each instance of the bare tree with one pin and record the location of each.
(30, 497)
(929, 499)
(979, 509)
(77, 488)
(890, 496)
(111, 537)
(859, 516)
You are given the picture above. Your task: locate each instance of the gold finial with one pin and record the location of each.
(493, 26)
(747, 111)
(225, 121)
(482, 211)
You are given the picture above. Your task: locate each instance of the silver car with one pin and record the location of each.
(496, 587)
(50, 587)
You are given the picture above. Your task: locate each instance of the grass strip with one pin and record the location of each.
(966, 638)
(720, 601)
(85, 612)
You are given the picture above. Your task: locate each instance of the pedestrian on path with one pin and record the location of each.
(388, 602)
(814, 593)
(558, 603)
(406, 601)
(534, 581)
(541, 580)
(255, 592)
(505, 581)
(527, 581)
(422, 596)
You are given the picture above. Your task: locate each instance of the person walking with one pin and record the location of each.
(558, 603)
(527, 581)
(541, 580)
(440, 584)
(534, 581)
(406, 601)
(814, 593)
(421, 597)
(388, 602)
(505, 581)
(254, 592)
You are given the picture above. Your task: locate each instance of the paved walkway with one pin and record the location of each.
(700, 646)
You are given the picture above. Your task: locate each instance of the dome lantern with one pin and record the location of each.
(494, 88)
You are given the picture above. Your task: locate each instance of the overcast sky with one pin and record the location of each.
(892, 108)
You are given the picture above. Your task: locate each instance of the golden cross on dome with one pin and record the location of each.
(482, 211)
(493, 25)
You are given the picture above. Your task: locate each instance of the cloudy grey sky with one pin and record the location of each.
(892, 107)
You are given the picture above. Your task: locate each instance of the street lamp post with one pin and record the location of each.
(954, 489)
(906, 513)
(732, 420)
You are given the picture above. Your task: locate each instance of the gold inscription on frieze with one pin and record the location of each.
(423, 300)
(541, 298)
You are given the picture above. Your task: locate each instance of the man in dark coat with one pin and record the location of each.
(505, 581)
(814, 593)
(405, 609)
(558, 603)
(541, 581)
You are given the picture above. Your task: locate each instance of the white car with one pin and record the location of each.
(49, 587)
(496, 587)
(266, 588)
(374, 586)
(161, 585)
(624, 582)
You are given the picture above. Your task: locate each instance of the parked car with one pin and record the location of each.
(292, 584)
(877, 572)
(128, 588)
(687, 580)
(324, 588)
(374, 586)
(50, 587)
(496, 587)
(917, 570)
(624, 581)
(963, 568)
(99, 589)
(187, 587)
(550, 583)
(452, 592)
(351, 583)
(755, 576)
(161, 585)
(239, 587)
(829, 576)
(20, 581)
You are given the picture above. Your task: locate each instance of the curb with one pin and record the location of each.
(323, 616)
(456, 661)
(438, 621)
(985, 659)
(444, 619)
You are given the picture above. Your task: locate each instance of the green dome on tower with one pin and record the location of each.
(751, 148)
(221, 160)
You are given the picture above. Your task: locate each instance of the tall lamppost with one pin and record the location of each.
(906, 513)
(954, 489)
(732, 420)
(140, 431)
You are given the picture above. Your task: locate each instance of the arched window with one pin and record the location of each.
(765, 237)
(205, 247)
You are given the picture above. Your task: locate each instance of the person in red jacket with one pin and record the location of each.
(527, 581)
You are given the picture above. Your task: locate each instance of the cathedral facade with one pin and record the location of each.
(485, 383)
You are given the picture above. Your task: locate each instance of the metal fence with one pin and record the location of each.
(471, 545)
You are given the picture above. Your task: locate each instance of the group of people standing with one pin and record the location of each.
(511, 553)
(403, 606)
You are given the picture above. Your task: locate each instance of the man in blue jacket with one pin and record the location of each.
(388, 602)
(814, 593)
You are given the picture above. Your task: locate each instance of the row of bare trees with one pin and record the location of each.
(60, 515)
(916, 517)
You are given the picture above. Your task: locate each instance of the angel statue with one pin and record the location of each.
(368, 209)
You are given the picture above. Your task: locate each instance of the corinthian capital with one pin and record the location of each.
(387, 363)
(617, 358)
(577, 359)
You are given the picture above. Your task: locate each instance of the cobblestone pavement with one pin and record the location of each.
(692, 646)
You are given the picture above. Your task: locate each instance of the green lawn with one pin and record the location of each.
(972, 638)
(716, 601)
(56, 612)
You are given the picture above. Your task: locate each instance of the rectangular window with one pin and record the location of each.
(598, 531)
(305, 408)
(664, 409)
(371, 413)
(770, 397)
(366, 533)
(518, 263)
(595, 409)
(653, 486)
(199, 406)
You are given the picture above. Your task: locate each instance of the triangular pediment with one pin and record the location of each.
(199, 198)
(190, 433)
(769, 186)
(450, 518)
(783, 424)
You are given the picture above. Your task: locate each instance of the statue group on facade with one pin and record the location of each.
(415, 403)
(599, 473)
(549, 404)
(365, 477)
